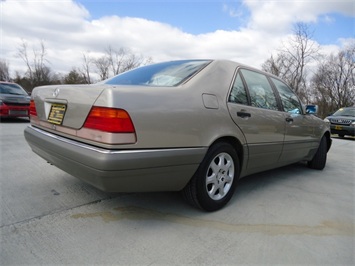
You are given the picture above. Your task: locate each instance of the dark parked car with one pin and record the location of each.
(14, 100)
(342, 122)
(191, 125)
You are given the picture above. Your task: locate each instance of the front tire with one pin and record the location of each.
(320, 158)
(214, 182)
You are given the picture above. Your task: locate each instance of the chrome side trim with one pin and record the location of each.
(107, 151)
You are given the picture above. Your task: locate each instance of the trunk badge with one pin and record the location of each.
(56, 92)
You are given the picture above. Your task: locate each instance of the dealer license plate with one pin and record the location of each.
(338, 127)
(56, 114)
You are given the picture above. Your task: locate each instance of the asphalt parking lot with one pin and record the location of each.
(289, 216)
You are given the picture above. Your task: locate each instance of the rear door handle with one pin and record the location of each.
(243, 114)
(289, 119)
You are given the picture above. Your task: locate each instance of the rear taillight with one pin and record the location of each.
(33, 111)
(109, 120)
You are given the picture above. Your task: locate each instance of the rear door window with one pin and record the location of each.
(260, 90)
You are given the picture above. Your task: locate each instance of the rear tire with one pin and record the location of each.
(320, 158)
(214, 182)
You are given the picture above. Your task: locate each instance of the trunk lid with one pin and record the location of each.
(75, 100)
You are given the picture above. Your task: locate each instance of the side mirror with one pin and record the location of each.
(312, 109)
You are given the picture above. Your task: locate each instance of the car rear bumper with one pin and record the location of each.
(118, 170)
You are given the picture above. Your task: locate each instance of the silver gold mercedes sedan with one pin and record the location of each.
(195, 126)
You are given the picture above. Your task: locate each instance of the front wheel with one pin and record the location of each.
(320, 158)
(214, 182)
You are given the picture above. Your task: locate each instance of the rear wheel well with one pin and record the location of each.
(235, 143)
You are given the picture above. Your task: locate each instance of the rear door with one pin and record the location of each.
(254, 109)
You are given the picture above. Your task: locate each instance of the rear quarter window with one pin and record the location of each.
(238, 93)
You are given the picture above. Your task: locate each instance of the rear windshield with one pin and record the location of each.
(11, 88)
(161, 74)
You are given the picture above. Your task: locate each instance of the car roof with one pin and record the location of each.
(241, 65)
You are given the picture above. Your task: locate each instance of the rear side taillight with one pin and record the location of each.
(109, 120)
(33, 111)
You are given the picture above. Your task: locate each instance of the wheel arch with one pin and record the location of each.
(236, 144)
(329, 140)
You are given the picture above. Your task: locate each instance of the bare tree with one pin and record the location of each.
(272, 66)
(112, 63)
(86, 67)
(23, 81)
(334, 81)
(103, 66)
(74, 77)
(38, 72)
(122, 60)
(4, 70)
(292, 60)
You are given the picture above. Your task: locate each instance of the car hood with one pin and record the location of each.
(15, 99)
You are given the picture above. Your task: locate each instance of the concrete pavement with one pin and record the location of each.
(289, 216)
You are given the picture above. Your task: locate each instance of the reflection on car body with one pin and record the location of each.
(190, 125)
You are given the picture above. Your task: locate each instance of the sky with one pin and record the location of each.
(247, 31)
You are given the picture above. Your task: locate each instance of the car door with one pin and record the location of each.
(254, 109)
(300, 128)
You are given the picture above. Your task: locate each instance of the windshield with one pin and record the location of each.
(345, 112)
(11, 88)
(162, 74)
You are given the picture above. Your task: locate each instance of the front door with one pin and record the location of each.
(300, 128)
